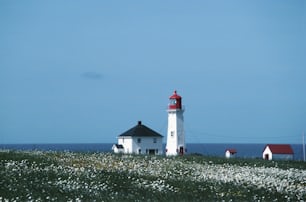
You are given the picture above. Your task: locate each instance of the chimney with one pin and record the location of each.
(139, 123)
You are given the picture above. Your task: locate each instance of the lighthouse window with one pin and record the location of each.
(173, 101)
(172, 133)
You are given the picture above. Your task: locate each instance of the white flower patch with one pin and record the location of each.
(79, 173)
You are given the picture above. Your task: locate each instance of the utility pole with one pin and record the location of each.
(304, 146)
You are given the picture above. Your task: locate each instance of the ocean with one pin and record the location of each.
(243, 150)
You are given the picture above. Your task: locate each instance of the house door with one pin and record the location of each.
(152, 151)
(181, 150)
(266, 156)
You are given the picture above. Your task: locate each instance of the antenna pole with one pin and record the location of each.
(304, 146)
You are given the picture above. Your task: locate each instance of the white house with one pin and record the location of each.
(229, 153)
(139, 140)
(277, 151)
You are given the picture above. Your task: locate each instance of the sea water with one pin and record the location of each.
(243, 150)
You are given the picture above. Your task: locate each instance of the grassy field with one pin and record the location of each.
(67, 176)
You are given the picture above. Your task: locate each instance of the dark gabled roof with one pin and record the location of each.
(119, 146)
(140, 130)
(280, 148)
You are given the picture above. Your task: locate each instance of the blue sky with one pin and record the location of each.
(86, 71)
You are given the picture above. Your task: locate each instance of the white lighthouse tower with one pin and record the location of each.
(175, 135)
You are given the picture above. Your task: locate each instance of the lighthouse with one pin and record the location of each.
(175, 134)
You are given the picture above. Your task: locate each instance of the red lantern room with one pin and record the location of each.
(175, 101)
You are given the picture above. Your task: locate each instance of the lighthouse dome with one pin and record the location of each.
(175, 96)
(175, 101)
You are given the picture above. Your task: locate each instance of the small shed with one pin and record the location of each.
(230, 153)
(277, 151)
(140, 139)
(118, 148)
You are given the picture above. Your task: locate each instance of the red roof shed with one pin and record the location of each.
(230, 153)
(277, 151)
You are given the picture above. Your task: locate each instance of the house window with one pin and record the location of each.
(139, 151)
(154, 140)
(139, 140)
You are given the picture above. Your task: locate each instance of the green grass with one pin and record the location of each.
(64, 176)
(283, 164)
